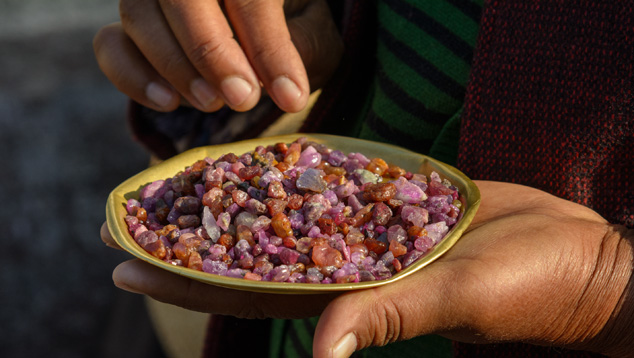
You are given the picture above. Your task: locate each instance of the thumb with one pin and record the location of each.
(407, 308)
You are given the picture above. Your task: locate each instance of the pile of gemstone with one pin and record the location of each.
(298, 212)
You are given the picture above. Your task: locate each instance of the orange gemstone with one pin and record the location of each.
(195, 261)
(252, 276)
(377, 166)
(281, 225)
(416, 231)
(324, 255)
(244, 233)
(227, 241)
(397, 249)
(375, 246)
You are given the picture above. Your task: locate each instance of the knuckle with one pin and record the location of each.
(389, 325)
(385, 325)
(206, 53)
(265, 53)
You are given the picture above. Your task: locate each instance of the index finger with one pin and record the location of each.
(206, 38)
(264, 35)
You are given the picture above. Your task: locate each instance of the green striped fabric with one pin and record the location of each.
(423, 58)
(424, 51)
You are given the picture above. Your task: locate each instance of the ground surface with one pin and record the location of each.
(63, 147)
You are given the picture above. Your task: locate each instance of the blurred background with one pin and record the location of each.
(64, 146)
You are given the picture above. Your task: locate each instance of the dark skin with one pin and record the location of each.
(531, 268)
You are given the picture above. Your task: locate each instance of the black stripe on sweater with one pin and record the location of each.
(451, 41)
(423, 67)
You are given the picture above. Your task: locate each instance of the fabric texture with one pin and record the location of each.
(550, 105)
(550, 102)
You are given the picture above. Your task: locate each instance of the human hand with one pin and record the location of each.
(531, 268)
(139, 277)
(167, 52)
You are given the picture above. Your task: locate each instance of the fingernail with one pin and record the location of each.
(159, 94)
(285, 91)
(345, 347)
(236, 90)
(205, 95)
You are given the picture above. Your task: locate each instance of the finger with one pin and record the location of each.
(127, 69)
(407, 308)
(206, 39)
(107, 238)
(140, 277)
(495, 203)
(316, 38)
(144, 23)
(263, 33)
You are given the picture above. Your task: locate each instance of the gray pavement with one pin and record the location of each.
(64, 146)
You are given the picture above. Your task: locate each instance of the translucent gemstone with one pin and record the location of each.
(276, 190)
(293, 154)
(408, 192)
(240, 197)
(252, 276)
(354, 237)
(195, 261)
(261, 223)
(397, 249)
(288, 256)
(336, 158)
(324, 255)
(243, 232)
(214, 267)
(381, 214)
(411, 257)
(303, 245)
(280, 273)
(376, 246)
(437, 231)
(255, 207)
(216, 252)
(379, 191)
(210, 225)
(227, 240)
(346, 189)
(275, 206)
(155, 189)
(396, 233)
(423, 243)
(311, 180)
(224, 219)
(309, 158)
(313, 210)
(245, 218)
(281, 225)
(365, 176)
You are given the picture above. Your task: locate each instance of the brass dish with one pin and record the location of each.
(414, 162)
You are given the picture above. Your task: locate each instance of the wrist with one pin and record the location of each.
(616, 338)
